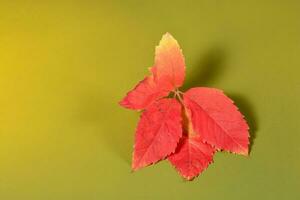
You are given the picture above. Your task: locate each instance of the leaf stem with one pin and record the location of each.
(178, 94)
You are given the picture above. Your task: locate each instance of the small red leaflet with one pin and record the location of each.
(187, 129)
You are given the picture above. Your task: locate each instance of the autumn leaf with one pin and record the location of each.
(158, 132)
(217, 119)
(188, 128)
(169, 66)
(166, 75)
(192, 156)
(145, 93)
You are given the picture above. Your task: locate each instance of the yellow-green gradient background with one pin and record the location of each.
(64, 65)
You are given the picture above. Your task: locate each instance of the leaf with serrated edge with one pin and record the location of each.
(169, 65)
(217, 119)
(144, 94)
(192, 156)
(188, 128)
(167, 74)
(158, 132)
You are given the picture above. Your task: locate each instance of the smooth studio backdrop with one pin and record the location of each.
(64, 65)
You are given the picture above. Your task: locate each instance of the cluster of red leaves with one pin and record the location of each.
(188, 128)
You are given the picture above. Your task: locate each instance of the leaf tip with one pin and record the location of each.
(244, 152)
(135, 167)
(167, 34)
(167, 40)
(124, 103)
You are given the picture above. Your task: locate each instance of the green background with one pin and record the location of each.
(64, 65)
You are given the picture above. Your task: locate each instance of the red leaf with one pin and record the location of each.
(167, 74)
(158, 132)
(169, 68)
(145, 93)
(192, 156)
(217, 119)
(209, 119)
